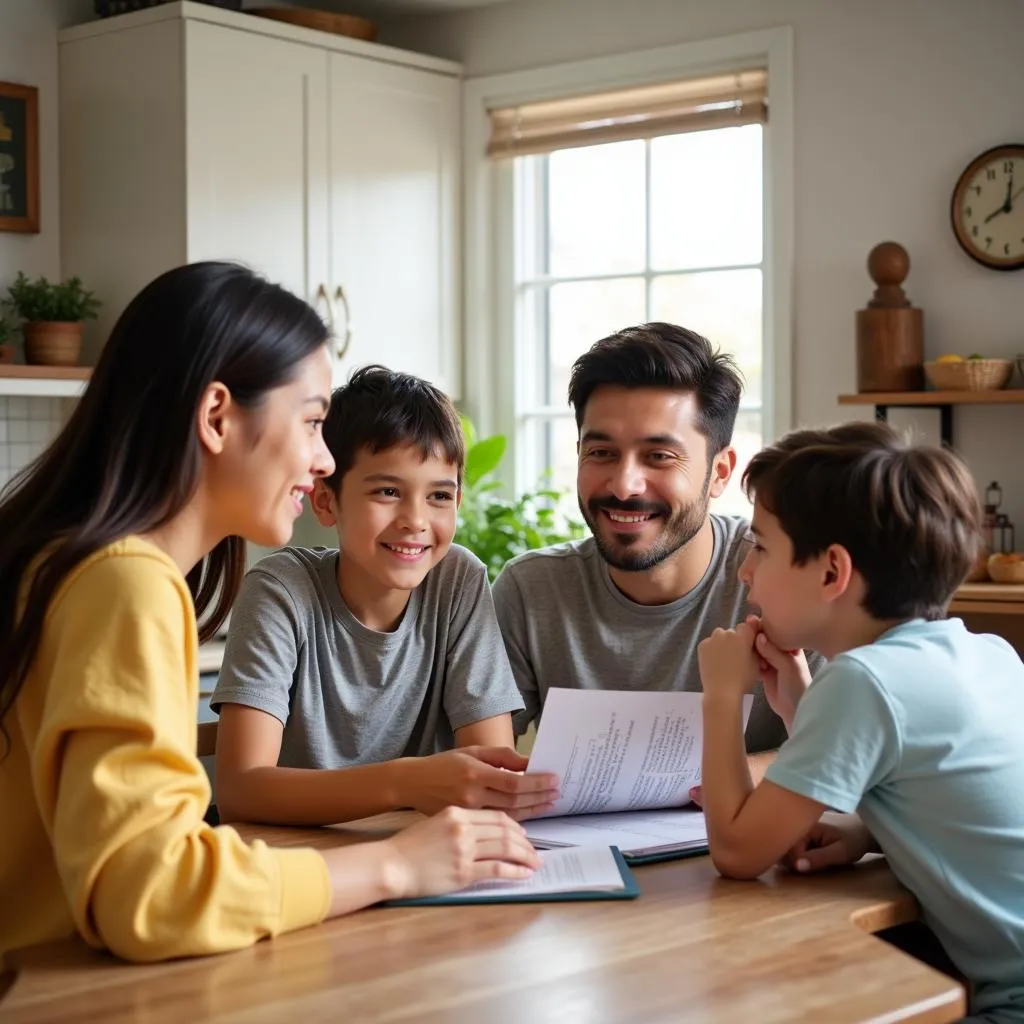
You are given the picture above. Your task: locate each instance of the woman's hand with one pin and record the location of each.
(456, 848)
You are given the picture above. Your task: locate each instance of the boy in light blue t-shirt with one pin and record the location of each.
(915, 724)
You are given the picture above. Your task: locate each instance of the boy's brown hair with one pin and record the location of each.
(379, 408)
(908, 514)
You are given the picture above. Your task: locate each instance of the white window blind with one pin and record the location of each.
(647, 112)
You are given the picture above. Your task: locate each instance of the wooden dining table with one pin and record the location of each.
(694, 947)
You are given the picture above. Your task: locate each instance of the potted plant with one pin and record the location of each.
(496, 529)
(52, 316)
(6, 337)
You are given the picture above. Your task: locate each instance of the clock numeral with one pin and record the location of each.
(990, 174)
(1006, 249)
(967, 211)
(1008, 166)
(977, 189)
(988, 243)
(974, 231)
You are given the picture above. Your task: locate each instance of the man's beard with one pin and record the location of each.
(677, 529)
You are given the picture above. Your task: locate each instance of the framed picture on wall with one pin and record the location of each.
(19, 157)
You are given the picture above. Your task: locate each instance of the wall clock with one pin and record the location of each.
(988, 208)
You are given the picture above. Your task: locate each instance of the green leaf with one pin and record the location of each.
(468, 431)
(483, 458)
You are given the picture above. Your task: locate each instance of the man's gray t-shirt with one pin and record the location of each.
(349, 695)
(566, 624)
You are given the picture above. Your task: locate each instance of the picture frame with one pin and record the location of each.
(19, 157)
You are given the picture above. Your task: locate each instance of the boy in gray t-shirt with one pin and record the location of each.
(349, 675)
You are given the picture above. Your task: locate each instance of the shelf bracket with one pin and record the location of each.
(945, 418)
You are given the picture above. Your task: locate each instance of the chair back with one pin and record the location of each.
(206, 746)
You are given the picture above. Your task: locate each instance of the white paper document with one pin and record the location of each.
(635, 833)
(621, 750)
(583, 869)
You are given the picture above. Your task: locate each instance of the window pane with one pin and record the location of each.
(706, 198)
(725, 306)
(550, 446)
(747, 440)
(596, 210)
(581, 313)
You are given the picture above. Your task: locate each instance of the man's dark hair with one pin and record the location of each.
(658, 355)
(908, 514)
(379, 409)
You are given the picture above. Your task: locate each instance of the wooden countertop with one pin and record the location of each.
(993, 598)
(694, 947)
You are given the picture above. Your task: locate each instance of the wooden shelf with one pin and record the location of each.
(1011, 396)
(43, 381)
(990, 598)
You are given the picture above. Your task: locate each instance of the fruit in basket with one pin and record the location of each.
(1006, 558)
(1006, 567)
(951, 358)
(974, 355)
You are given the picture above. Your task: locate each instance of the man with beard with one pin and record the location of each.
(625, 608)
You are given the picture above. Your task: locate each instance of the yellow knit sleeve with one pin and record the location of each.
(121, 790)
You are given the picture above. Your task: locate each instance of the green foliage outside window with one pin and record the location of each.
(496, 528)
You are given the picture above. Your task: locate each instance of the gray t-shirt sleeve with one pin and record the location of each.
(261, 654)
(478, 680)
(508, 604)
(846, 739)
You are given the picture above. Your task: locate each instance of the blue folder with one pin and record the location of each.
(630, 891)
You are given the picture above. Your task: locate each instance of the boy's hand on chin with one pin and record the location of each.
(727, 661)
(785, 674)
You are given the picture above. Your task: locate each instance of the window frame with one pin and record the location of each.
(494, 353)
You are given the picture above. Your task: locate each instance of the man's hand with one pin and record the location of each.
(477, 778)
(834, 841)
(727, 661)
(785, 674)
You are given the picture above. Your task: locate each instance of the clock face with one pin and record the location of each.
(988, 208)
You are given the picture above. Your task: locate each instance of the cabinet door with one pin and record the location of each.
(394, 180)
(257, 154)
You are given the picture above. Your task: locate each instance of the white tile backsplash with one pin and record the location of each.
(27, 426)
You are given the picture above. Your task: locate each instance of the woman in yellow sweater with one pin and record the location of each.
(200, 426)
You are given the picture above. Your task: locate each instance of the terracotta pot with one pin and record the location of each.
(52, 343)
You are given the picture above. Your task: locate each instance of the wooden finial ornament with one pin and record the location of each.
(890, 331)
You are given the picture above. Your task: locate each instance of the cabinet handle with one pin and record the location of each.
(322, 295)
(339, 296)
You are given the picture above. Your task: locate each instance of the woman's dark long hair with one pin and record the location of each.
(129, 458)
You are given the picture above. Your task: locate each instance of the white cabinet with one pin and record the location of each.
(394, 148)
(329, 165)
(256, 154)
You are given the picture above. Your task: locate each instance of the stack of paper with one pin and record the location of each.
(640, 835)
(592, 873)
(627, 761)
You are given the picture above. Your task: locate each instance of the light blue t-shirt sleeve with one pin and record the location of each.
(846, 738)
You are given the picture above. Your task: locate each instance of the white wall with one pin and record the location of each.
(892, 101)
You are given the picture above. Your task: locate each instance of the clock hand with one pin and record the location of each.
(1007, 202)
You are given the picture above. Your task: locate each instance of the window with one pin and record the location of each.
(606, 236)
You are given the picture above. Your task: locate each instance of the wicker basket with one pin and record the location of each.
(969, 375)
(322, 21)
